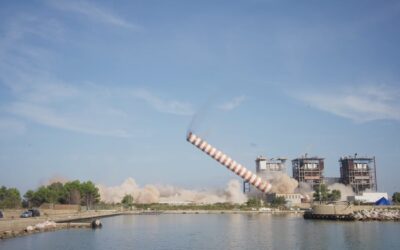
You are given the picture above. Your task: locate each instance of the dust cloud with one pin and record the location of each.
(170, 194)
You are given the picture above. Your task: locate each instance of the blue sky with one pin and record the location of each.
(103, 91)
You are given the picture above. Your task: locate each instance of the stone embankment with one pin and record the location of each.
(350, 212)
(14, 227)
(46, 226)
(377, 214)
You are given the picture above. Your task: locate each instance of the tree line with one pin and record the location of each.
(322, 193)
(72, 192)
(87, 194)
(9, 197)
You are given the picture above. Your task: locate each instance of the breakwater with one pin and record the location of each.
(15, 227)
(348, 212)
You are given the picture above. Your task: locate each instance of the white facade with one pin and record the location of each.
(261, 164)
(291, 199)
(367, 197)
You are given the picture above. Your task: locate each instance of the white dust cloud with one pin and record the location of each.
(344, 190)
(171, 194)
(283, 184)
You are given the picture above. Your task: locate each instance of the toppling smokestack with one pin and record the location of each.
(232, 165)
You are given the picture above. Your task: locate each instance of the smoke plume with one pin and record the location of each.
(171, 194)
(344, 190)
(283, 184)
(54, 179)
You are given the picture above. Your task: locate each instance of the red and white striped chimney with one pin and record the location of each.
(229, 163)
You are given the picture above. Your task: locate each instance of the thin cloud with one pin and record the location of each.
(360, 104)
(93, 12)
(46, 116)
(232, 104)
(37, 95)
(164, 106)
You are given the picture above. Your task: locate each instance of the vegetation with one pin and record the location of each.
(74, 192)
(396, 197)
(322, 193)
(254, 202)
(216, 206)
(127, 201)
(278, 202)
(9, 198)
(248, 206)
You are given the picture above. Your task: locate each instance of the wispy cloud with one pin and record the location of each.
(164, 106)
(35, 94)
(232, 104)
(360, 104)
(46, 116)
(93, 12)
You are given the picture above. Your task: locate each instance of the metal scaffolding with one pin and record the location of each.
(308, 170)
(359, 173)
(266, 168)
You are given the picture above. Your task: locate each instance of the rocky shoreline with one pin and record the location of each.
(352, 213)
(47, 226)
(377, 214)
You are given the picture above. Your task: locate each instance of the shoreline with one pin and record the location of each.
(18, 227)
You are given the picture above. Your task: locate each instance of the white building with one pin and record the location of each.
(367, 197)
(291, 199)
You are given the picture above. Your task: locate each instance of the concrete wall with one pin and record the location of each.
(333, 209)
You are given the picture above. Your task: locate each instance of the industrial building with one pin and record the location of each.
(309, 170)
(291, 199)
(359, 173)
(331, 180)
(265, 169)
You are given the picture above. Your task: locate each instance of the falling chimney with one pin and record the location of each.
(229, 163)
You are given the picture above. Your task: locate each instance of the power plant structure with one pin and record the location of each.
(308, 170)
(266, 168)
(359, 173)
(229, 163)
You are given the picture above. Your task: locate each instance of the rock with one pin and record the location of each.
(96, 224)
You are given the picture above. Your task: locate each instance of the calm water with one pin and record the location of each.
(217, 231)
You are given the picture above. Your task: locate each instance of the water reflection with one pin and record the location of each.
(217, 231)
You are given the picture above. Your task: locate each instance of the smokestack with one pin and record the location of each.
(229, 163)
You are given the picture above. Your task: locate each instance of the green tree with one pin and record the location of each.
(278, 201)
(73, 192)
(334, 195)
(253, 202)
(396, 197)
(28, 198)
(58, 193)
(9, 198)
(321, 192)
(42, 195)
(127, 201)
(90, 194)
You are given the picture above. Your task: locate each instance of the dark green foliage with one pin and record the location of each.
(9, 198)
(90, 194)
(396, 197)
(278, 201)
(253, 202)
(334, 195)
(127, 201)
(322, 193)
(74, 192)
(216, 206)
